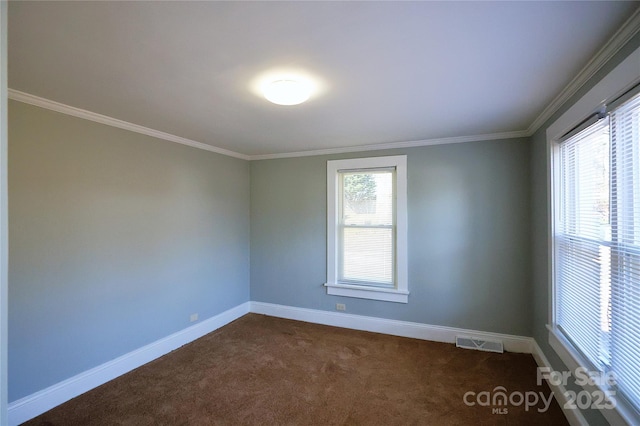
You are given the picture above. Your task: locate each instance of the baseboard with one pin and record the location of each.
(574, 417)
(33, 405)
(386, 326)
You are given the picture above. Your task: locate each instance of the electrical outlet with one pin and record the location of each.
(193, 317)
(341, 307)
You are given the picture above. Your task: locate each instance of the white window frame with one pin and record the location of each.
(400, 291)
(618, 81)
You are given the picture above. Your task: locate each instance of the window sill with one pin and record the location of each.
(363, 292)
(623, 413)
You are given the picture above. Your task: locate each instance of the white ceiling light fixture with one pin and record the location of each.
(287, 91)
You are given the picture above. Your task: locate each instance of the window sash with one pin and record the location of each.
(388, 267)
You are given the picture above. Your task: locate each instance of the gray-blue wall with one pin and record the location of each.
(469, 236)
(115, 239)
(540, 223)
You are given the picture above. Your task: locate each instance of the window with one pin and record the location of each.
(596, 244)
(367, 228)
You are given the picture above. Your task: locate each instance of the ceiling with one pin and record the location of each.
(388, 71)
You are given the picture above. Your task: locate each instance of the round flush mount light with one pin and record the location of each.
(287, 86)
(287, 91)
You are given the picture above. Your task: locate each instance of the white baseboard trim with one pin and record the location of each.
(574, 417)
(386, 326)
(35, 404)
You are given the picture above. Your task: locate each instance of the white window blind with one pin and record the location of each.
(582, 239)
(367, 227)
(597, 246)
(625, 254)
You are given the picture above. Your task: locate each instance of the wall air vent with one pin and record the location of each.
(479, 344)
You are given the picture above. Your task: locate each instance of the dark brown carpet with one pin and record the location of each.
(262, 370)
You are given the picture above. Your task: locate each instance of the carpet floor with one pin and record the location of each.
(261, 370)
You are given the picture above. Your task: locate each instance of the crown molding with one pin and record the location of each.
(394, 145)
(629, 29)
(27, 98)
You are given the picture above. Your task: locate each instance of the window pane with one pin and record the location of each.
(367, 198)
(585, 176)
(583, 307)
(625, 323)
(367, 255)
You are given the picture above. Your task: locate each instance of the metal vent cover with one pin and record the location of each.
(479, 344)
